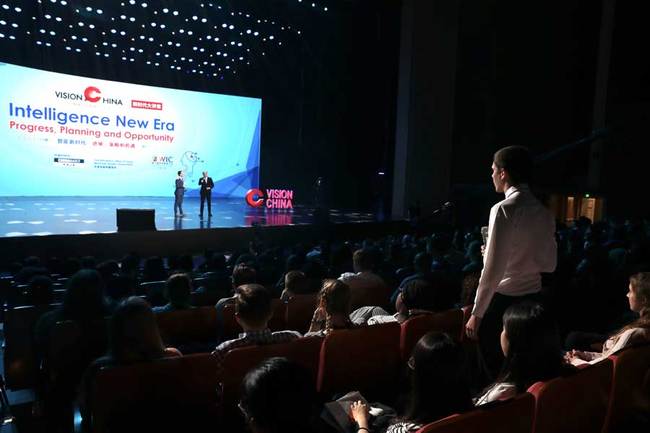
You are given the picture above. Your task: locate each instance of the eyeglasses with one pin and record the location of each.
(411, 363)
(247, 417)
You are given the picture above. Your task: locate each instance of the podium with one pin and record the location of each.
(132, 220)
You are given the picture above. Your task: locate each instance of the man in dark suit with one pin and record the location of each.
(206, 192)
(178, 194)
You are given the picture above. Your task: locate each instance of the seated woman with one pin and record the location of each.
(438, 386)
(532, 350)
(278, 396)
(637, 332)
(417, 297)
(133, 336)
(333, 310)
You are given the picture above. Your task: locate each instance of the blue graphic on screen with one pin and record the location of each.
(64, 135)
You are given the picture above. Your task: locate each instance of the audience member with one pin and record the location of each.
(363, 275)
(295, 283)
(438, 386)
(178, 289)
(637, 332)
(532, 350)
(333, 309)
(278, 396)
(252, 313)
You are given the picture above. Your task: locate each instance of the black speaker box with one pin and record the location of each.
(132, 220)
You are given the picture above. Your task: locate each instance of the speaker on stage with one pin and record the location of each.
(131, 220)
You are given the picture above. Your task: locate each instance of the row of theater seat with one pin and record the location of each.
(368, 359)
(178, 328)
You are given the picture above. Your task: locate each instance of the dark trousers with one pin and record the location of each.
(178, 201)
(206, 196)
(489, 333)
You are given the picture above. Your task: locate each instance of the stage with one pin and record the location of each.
(76, 226)
(43, 216)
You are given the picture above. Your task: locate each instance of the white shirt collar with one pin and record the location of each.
(516, 188)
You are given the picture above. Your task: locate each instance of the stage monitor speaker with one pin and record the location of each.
(132, 220)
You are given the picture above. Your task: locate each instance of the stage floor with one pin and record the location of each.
(42, 216)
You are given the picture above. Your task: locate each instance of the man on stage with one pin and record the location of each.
(178, 194)
(520, 246)
(206, 192)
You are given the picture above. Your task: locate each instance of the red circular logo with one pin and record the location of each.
(254, 197)
(91, 94)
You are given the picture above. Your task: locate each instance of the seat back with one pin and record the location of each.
(450, 321)
(178, 392)
(277, 322)
(512, 416)
(358, 358)
(630, 385)
(238, 362)
(20, 357)
(154, 291)
(576, 403)
(204, 299)
(299, 311)
(188, 326)
(362, 296)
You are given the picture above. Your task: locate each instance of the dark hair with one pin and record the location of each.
(133, 332)
(296, 282)
(179, 172)
(335, 297)
(154, 269)
(363, 260)
(534, 347)
(84, 296)
(438, 380)
(278, 396)
(253, 303)
(119, 287)
(178, 289)
(422, 262)
(517, 161)
(640, 283)
(243, 274)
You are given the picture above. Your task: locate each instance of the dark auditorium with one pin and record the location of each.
(324, 216)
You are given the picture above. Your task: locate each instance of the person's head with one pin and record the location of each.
(133, 332)
(108, 269)
(252, 306)
(84, 296)
(40, 289)
(205, 174)
(180, 173)
(638, 294)
(178, 290)
(422, 262)
(296, 282)
(154, 269)
(216, 262)
(417, 295)
(531, 345)
(278, 396)
(119, 287)
(243, 274)
(362, 260)
(438, 379)
(512, 165)
(335, 298)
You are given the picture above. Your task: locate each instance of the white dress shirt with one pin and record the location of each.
(520, 246)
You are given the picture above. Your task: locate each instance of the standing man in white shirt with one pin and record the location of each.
(520, 246)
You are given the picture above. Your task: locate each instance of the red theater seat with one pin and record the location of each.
(370, 295)
(299, 312)
(630, 385)
(162, 395)
(238, 362)
(577, 403)
(365, 359)
(512, 416)
(450, 321)
(20, 363)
